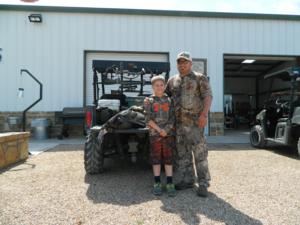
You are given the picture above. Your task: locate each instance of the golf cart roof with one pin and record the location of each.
(286, 74)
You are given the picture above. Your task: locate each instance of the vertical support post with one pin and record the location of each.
(95, 86)
(256, 92)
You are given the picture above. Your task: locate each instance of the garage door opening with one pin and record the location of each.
(245, 89)
(92, 56)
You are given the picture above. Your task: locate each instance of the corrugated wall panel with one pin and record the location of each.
(53, 50)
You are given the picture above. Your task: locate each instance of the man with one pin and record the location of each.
(192, 98)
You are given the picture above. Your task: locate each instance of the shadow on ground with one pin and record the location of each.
(127, 184)
(22, 165)
(67, 148)
(282, 150)
(229, 147)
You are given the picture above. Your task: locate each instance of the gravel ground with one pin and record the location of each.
(249, 187)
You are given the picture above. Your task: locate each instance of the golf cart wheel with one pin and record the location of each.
(93, 156)
(257, 137)
(298, 147)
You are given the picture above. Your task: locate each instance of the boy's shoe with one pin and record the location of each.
(202, 191)
(171, 190)
(157, 189)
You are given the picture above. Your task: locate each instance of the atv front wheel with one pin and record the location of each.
(93, 155)
(257, 137)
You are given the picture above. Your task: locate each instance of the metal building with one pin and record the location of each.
(59, 50)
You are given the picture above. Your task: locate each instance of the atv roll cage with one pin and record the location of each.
(131, 76)
(280, 123)
(292, 75)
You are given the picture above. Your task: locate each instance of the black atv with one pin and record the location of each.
(279, 121)
(115, 123)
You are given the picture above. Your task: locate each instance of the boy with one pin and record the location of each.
(160, 120)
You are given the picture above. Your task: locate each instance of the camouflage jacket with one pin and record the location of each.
(161, 111)
(188, 93)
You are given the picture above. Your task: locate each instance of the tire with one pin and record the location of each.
(144, 150)
(298, 148)
(257, 137)
(93, 155)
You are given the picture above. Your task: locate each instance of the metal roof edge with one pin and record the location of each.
(39, 8)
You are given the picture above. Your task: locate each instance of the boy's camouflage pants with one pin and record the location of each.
(190, 143)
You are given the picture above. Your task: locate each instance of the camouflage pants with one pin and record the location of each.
(190, 156)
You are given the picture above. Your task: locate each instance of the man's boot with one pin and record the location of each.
(202, 191)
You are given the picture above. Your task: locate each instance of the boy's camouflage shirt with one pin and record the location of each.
(161, 111)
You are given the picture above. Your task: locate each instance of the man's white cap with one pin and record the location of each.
(184, 55)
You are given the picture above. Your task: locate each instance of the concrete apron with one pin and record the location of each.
(38, 146)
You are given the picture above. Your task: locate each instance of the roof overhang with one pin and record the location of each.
(63, 9)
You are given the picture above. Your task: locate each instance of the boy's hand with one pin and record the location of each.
(146, 101)
(163, 133)
(151, 124)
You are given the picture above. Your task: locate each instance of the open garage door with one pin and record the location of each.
(245, 90)
(127, 56)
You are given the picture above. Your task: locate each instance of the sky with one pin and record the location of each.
(243, 6)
